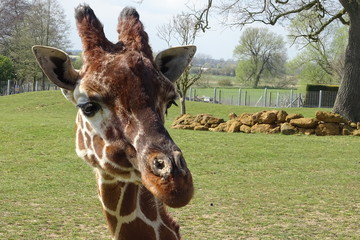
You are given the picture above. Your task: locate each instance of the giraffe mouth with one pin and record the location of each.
(169, 179)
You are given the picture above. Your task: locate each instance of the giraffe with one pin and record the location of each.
(122, 94)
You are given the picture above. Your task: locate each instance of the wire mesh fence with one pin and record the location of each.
(263, 97)
(276, 98)
(13, 87)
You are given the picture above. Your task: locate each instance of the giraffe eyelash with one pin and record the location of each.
(89, 109)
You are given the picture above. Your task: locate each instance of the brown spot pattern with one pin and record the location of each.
(118, 156)
(98, 145)
(80, 140)
(130, 199)
(148, 205)
(110, 194)
(138, 230)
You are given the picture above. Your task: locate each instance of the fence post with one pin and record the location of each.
(190, 94)
(265, 96)
(320, 98)
(299, 100)
(291, 97)
(245, 97)
(220, 96)
(8, 87)
(278, 99)
(239, 100)
(214, 100)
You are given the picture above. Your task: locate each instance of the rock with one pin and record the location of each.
(256, 117)
(281, 116)
(356, 132)
(287, 129)
(330, 117)
(234, 127)
(246, 118)
(347, 130)
(293, 116)
(304, 122)
(275, 130)
(232, 116)
(200, 128)
(353, 125)
(261, 128)
(306, 131)
(186, 127)
(220, 128)
(244, 128)
(185, 119)
(358, 125)
(324, 129)
(268, 117)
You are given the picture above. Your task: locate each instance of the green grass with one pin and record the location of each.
(248, 186)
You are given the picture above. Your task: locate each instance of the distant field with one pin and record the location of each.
(248, 186)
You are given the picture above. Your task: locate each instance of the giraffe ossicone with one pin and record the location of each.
(122, 93)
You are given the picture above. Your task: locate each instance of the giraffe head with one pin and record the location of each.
(122, 93)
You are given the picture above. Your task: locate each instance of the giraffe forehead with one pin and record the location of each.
(125, 76)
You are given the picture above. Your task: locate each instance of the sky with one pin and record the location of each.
(218, 42)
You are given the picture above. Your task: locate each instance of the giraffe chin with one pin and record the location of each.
(175, 191)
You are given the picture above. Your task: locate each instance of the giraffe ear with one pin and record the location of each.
(173, 61)
(57, 66)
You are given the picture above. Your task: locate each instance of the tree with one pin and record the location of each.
(260, 52)
(321, 61)
(182, 29)
(6, 69)
(41, 22)
(347, 12)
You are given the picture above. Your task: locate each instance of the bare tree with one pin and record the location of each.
(263, 52)
(41, 22)
(239, 13)
(182, 29)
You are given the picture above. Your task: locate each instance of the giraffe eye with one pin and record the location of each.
(172, 102)
(169, 104)
(90, 108)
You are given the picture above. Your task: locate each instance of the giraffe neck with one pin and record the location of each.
(132, 212)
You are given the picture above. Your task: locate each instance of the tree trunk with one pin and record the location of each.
(182, 105)
(347, 101)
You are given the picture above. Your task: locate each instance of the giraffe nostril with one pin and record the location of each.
(162, 167)
(159, 164)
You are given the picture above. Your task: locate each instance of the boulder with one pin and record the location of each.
(245, 128)
(186, 127)
(306, 131)
(347, 130)
(200, 128)
(234, 127)
(304, 122)
(275, 130)
(329, 117)
(220, 128)
(356, 132)
(185, 119)
(256, 117)
(324, 129)
(232, 116)
(261, 128)
(268, 117)
(281, 116)
(293, 116)
(246, 118)
(287, 129)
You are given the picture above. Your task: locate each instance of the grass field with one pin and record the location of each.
(248, 186)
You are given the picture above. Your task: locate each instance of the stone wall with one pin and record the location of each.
(275, 121)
